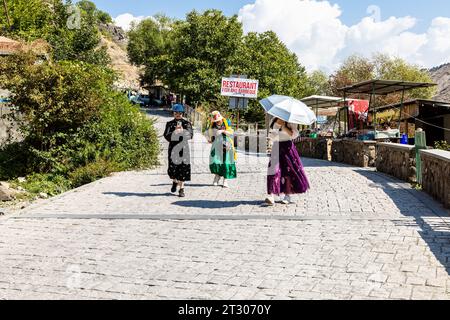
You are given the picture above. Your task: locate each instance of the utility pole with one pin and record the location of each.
(7, 13)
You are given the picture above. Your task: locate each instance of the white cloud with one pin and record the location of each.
(315, 32)
(125, 20)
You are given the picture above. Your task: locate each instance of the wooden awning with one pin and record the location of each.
(384, 87)
(321, 102)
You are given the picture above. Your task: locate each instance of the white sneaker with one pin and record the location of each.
(270, 200)
(216, 181)
(225, 184)
(287, 200)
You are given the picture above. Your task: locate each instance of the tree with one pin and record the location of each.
(91, 9)
(380, 66)
(319, 84)
(53, 98)
(149, 39)
(70, 117)
(25, 19)
(81, 44)
(205, 49)
(5, 7)
(264, 57)
(354, 69)
(47, 20)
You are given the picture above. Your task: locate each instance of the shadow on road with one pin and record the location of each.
(216, 204)
(143, 195)
(317, 163)
(434, 231)
(188, 185)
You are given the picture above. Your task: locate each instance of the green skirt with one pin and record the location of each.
(222, 163)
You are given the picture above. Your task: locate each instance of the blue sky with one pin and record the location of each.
(352, 10)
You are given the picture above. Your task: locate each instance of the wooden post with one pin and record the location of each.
(420, 144)
(401, 112)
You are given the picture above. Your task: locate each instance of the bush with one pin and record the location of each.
(442, 145)
(91, 172)
(46, 183)
(76, 127)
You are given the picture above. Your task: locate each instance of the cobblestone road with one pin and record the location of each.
(357, 234)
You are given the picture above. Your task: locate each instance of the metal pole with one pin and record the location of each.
(401, 111)
(368, 111)
(374, 112)
(237, 105)
(316, 125)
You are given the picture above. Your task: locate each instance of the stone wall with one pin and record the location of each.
(314, 148)
(354, 152)
(436, 174)
(397, 160)
(9, 131)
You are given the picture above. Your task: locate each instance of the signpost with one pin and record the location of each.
(239, 89)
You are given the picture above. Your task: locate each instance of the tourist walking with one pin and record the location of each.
(178, 132)
(223, 154)
(286, 175)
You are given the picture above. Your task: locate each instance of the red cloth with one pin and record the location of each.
(357, 111)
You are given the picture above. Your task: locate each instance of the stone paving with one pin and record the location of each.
(356, 234)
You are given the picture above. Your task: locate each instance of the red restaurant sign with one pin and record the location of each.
(242, 88)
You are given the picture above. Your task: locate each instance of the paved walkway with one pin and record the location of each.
(357, 234)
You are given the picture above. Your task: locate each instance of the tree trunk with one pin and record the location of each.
(7, 13)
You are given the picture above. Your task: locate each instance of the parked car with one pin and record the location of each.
(134, 99)
(157, 103)
(144, 99)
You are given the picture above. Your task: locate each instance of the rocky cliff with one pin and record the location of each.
(115, 39)
(441, 75)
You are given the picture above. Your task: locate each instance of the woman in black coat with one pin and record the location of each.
(178, 132)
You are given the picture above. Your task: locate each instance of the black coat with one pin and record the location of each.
(179, 153)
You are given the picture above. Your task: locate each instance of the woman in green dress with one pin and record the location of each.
(223, 155)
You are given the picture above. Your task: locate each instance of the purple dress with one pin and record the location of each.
(285, 173)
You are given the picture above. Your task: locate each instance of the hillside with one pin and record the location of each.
(114, 38)
(441, 75)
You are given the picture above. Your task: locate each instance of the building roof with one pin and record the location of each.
(420, 102)
(325, 102)
(321, 102)
(384, 87)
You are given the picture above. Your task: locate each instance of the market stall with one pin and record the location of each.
(327, 107)
(372, 129)
(324, 108)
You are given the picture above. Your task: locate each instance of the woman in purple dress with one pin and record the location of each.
(285, 174)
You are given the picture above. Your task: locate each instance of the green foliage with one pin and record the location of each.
(76, 128)
(92, 172)
(191, 56)
(47, 183)
(71, 118)
(319, 84)
(151, 38)
(356, 69)
(442, 145)
(48, 20)
(264, 57)
(81, 43)
(29, 19)
(123, 135)
(49, 99)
